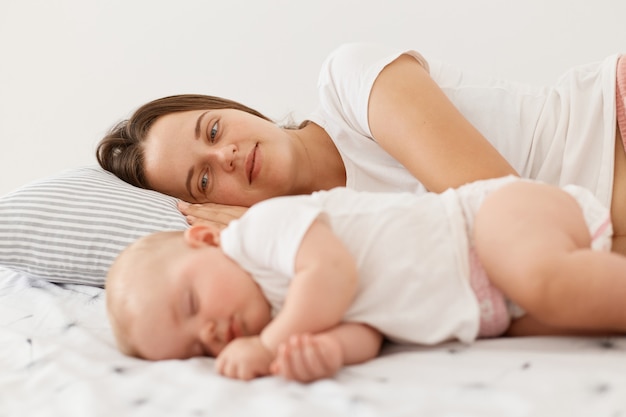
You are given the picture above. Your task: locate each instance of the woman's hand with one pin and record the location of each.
(307, 357)
(217, 214)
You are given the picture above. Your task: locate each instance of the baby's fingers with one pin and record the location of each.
(300, 359)
(232, 369)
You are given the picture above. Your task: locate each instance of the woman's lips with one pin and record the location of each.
(253, 163)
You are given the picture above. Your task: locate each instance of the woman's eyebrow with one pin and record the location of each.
(199, 124)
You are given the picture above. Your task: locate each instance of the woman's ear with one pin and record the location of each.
(199, 235)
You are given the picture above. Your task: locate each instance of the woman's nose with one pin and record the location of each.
(225, 156)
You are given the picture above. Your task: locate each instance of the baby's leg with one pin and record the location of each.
(534, 244)
(529, 326)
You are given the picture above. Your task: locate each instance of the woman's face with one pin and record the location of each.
(221, 156)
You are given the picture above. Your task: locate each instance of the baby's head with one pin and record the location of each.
(177, 295)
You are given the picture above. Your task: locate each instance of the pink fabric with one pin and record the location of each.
(620, 97)
(494, 315)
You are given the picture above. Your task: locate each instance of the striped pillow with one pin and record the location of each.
(70, 227)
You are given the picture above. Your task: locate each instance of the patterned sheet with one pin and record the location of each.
(57, 358)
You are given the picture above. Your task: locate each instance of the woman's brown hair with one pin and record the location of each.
(121, 152)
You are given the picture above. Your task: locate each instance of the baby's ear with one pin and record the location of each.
(199, 235)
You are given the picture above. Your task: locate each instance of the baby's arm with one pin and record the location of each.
(321, 291)
(323, 287)
(309, 357)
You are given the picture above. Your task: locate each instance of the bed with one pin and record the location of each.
(57, 355)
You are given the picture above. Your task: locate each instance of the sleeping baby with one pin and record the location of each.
(302, 285)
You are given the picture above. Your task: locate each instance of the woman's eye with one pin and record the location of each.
(213, 132)
(204, 181)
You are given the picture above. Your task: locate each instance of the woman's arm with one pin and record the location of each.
(414, 121)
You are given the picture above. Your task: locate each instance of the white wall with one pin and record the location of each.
(70, 69)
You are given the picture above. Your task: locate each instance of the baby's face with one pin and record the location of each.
(205, 301)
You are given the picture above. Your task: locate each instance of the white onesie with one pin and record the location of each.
(412, 253)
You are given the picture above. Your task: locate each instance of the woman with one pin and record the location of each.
(388, 121)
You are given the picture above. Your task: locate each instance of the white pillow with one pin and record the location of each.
(69, 228)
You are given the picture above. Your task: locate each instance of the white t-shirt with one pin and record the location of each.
(560, 135)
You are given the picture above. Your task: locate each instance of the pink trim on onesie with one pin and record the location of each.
(494, 315)
(620, 97)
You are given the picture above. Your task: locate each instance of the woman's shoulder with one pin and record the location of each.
(347, 76)
(363, 57)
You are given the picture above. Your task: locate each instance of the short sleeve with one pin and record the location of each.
(268, 236)
(347, 77)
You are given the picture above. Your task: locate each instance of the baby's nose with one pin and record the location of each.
(207, 333)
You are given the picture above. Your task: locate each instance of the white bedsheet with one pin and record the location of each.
(57, 358)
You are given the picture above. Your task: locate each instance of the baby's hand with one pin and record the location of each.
(307, 358)
(244, 358)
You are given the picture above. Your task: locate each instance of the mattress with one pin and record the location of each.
(58, 358)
